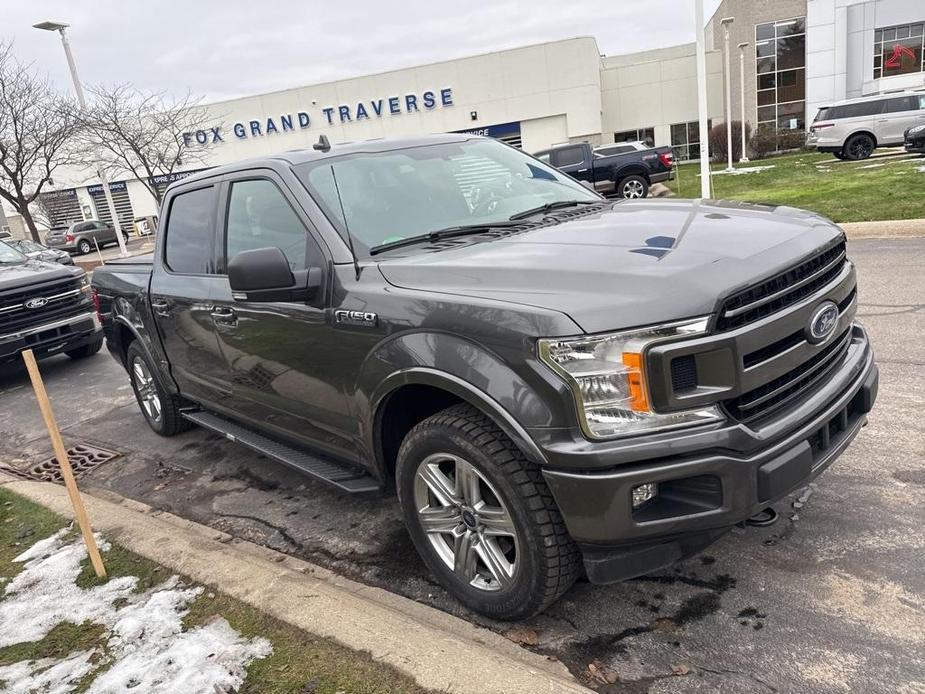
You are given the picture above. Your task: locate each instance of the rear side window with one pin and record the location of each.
(569, 156)
(188, 244)
(904, 103)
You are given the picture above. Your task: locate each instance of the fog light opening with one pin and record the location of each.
(644, 493)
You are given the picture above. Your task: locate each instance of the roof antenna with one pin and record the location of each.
(340, 200)
(323, 144)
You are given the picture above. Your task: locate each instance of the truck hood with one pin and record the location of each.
(639, 262)
(33, 271)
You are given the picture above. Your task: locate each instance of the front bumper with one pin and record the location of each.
(915, 143)
(662, 176)
(707, 487)
(50, 338)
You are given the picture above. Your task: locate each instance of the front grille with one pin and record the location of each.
(780, 291)
(64, 300)
(770, 397)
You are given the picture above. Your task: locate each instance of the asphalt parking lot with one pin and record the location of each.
(830, 599)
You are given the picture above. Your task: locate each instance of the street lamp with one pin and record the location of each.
(702, 116)
(742, 46)
(60, 27)
(727, 22)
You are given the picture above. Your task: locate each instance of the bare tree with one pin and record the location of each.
(37, 128)
(144, 134)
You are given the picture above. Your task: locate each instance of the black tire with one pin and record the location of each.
(168, 422)
(634, 186)
(859, 147)
(84, 247)
(838, 155)
(86, 351)
(545, 559)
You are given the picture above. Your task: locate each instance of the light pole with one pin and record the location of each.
(726, 22)
(104, 180)
(742, 46)
(702, 101)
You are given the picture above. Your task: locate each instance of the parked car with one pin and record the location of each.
(31, 249)
(854, 128)
(80, 237)
(551, 381)
(46, 307)
(626, 175)
(914, 139)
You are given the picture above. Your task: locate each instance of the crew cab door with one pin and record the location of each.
(281, 356)
(575, 161)
(899, 114)
(182, 284)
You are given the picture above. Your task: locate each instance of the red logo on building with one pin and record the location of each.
(896, 60)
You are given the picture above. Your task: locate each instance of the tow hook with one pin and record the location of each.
(763, 518)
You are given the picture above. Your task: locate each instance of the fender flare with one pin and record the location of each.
(428, 376)
(631, 170)
(165, 378)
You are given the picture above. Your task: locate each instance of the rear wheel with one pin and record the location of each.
(84, 247)
(859, 147)
(482, 517)
(160, 408)
(633, 187)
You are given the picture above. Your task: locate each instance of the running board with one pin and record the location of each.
(342, 477)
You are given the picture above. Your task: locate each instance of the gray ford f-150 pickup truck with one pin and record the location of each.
(45, 307)
(552, 382)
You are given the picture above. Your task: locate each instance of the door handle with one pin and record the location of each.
(161, 307)
(583, 170)
(883, 120)
(224, 315)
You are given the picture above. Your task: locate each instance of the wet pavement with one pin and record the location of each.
(830, 599)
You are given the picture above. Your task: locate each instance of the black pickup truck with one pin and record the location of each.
(552, 382)
(45, 307)
(626, 175)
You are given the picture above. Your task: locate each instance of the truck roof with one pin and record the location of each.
(301, 156)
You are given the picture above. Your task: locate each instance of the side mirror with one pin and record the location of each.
(263, 274)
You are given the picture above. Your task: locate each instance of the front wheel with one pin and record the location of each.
(633, 187)
(860, 146)
(482, 517)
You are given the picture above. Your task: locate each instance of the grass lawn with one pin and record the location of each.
(883, 187)
(299, 664)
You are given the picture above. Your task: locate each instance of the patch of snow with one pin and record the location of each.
(870, 166)
(146, 647)
(744, 170)
(921, 169)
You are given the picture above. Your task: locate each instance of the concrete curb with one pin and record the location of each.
(886, 229)
(438, 650)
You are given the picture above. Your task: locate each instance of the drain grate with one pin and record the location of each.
(83, 457)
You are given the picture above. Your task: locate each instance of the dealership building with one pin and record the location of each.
(799, 55)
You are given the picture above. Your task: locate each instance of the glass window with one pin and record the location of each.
(685, 140)
(791, 52)
(8, 254)
(765, 49)
(544, 157)
(764, 31)
(570, 156)
(395, 194)
(904, 103)
(767, 81)
(259, 216)
(898, 50)
(791, 27)
(791, 86)
(188, 247)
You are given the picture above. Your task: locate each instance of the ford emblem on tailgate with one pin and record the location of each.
(823, 322)
(36, 302)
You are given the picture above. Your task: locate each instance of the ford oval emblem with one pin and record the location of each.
(36, 302)
(823, 322)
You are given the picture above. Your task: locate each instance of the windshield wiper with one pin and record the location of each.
(550, 206)
(447, 233)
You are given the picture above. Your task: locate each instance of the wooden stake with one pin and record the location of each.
(61, 455)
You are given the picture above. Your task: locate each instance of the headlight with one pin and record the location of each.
(608, 377)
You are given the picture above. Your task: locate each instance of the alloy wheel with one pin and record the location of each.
(633, 189)
(466, 522)
(147, 391)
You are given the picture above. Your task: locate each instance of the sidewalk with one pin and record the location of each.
(438, 650)
(886, 229)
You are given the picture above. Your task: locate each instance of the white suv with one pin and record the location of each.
(852, 129)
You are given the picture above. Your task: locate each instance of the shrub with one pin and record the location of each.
(718, 140)
(769, 140)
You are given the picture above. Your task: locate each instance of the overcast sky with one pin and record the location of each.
(232, 48)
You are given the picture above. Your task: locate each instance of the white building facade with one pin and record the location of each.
(799, 55)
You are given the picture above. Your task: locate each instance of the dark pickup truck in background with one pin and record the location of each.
(45, 306)
(551, 381)
(626, 175)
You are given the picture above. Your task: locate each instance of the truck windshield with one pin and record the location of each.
(394, 195)
(9, 255)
